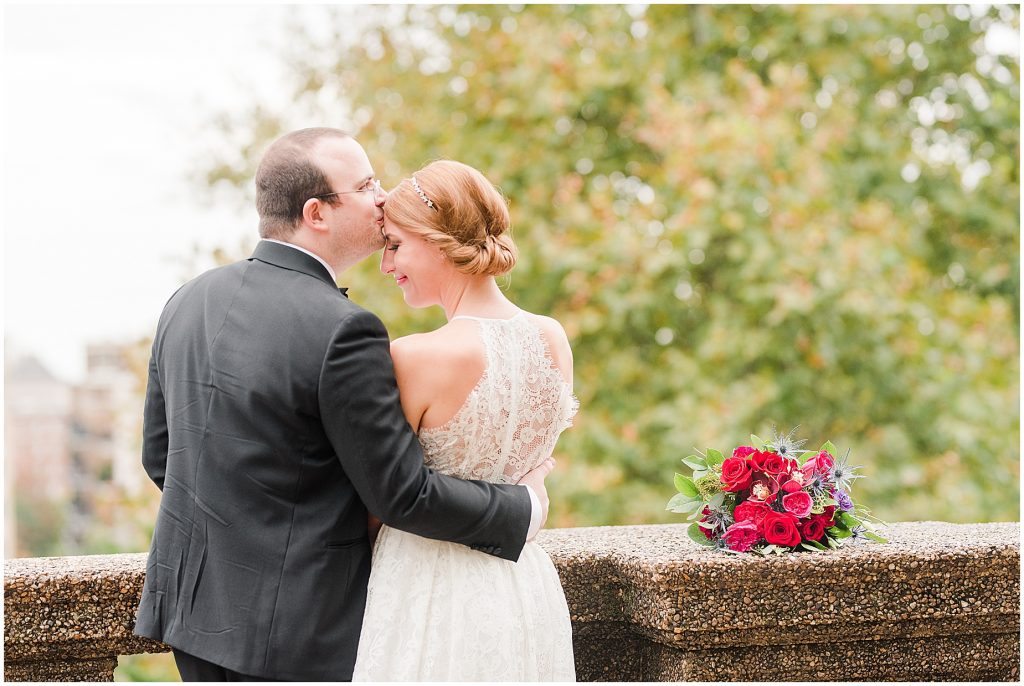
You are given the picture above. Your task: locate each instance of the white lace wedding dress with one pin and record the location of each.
(438, 611)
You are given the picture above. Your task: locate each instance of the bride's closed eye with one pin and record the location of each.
(392, 247)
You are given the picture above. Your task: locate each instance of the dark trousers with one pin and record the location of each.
(192, 668)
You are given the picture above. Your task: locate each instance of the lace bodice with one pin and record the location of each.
(511, 419)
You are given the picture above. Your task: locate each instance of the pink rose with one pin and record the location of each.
(751, 511)
(822, 462)
(741, 536)
(798, 504)
(743, 451)
(736, 474)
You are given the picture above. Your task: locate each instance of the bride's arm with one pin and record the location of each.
(410, 364)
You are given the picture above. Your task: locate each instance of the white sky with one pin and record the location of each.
(103, 114)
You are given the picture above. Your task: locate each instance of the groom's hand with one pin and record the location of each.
(535, 480)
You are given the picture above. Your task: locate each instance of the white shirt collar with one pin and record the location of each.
(313, 255)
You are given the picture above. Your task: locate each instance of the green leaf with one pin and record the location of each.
(828, 448)
(685, 486)
(833, 543)
(694, 505)
(813, 546)
(697, 534)
(694, 462)
(836, 532)
(715, 457)
(875, 537)
(849, 520)
(756, 442)
(717, 500)
(678, 502)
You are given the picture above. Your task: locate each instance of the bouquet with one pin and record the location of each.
(770, 497)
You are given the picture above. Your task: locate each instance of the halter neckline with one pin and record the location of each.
(486, 319)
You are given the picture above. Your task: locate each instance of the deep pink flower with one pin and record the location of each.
(743, 451)
(798, 504)
(742, 536)
(751, 511)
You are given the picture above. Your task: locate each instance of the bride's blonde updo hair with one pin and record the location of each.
(455, 208)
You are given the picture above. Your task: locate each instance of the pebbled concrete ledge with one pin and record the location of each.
(68, 618)
(939, 602)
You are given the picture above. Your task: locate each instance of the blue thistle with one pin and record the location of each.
(785, 445)
(842, 475)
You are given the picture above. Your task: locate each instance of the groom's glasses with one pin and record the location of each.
(372, 186)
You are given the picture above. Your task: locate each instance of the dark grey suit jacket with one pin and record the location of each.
(272, 422)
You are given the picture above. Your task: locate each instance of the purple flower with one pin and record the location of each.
(845, 503)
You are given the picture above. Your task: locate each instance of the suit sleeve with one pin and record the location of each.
(154, 427)
(363, 418)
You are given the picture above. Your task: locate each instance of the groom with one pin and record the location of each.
(272, 424)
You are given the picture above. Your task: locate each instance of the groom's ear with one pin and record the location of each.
(313, 213)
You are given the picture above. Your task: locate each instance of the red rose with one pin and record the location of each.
(743, 451)
(780, 528)
(741, 536)
(769, 462)
(813, 529)
(799, 503)
(826, 518)
(792, 486)
(736, 474)
(751, 511)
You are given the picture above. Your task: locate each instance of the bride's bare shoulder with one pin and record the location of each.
(438, 353)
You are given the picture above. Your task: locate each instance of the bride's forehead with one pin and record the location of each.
(393, 230)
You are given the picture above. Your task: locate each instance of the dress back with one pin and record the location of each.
(511, 419)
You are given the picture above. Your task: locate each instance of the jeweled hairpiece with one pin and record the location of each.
(419, 192)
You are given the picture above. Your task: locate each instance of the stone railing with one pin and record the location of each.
(939, 602)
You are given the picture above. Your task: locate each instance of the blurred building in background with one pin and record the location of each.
(71, 455)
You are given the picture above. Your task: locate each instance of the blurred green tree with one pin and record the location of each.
(743, 216)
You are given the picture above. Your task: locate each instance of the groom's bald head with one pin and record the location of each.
(287, 177)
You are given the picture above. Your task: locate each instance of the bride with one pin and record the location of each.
(488, 393)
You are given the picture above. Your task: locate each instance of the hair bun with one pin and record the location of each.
(497, 255)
